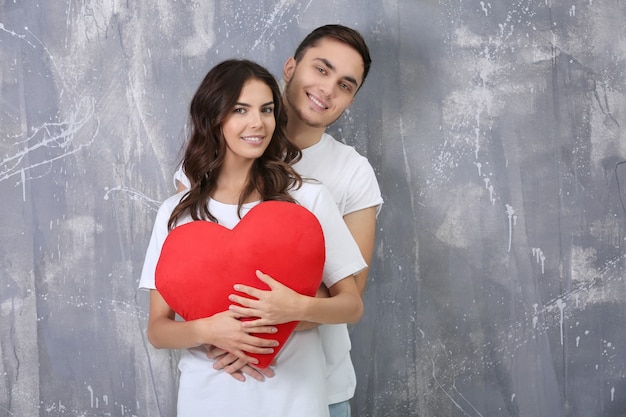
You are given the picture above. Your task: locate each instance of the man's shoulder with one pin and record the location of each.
(341, 149)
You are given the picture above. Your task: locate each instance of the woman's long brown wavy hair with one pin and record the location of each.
(272, 175)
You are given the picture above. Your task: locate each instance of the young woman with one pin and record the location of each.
(238, 156)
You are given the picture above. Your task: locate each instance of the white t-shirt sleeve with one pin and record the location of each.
(159, 233)
(180, 177)
(363, 191)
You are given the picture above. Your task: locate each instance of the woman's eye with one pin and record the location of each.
(268, 110)
(321, 70)
(239, 110)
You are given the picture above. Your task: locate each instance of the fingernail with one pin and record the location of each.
(237, 287)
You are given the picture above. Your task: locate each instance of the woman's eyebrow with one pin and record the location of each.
(269, 103)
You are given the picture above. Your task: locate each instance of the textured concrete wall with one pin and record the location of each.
(495, 128)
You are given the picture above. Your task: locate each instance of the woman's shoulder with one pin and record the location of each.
(170, 203)
(173, 200)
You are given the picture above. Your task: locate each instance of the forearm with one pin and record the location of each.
(305, 325)
(166, 333)
(340, 308)
(362, 226)
(361, 279)
(322, 292)
(281, 304)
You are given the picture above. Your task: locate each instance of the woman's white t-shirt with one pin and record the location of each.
(298, 387)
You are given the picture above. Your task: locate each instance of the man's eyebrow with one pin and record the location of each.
(332, 68)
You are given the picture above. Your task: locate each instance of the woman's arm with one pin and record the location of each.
(281, 304)
(222, 329)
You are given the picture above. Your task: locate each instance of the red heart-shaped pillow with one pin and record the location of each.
(201, 261)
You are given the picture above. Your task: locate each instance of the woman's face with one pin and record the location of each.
(250, 125)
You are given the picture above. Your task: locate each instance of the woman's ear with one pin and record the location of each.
(288, 69)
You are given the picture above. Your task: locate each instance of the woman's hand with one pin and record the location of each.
(279, 305)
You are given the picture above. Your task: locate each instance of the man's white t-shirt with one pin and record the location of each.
(352, 182)
(299, 387)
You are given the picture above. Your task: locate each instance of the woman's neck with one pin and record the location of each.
(231, 183)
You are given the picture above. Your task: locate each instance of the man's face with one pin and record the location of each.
(323, 83)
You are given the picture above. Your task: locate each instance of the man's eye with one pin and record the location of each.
(321, 70)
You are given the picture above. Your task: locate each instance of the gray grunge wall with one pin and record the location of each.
(495, 129)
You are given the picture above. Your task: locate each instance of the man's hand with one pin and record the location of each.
(236, 367)
(229, 333)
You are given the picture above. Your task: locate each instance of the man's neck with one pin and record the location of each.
(301, 134)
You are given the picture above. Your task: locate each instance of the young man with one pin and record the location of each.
(321, 80)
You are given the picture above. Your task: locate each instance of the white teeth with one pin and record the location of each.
(252, 138)
(314, 100)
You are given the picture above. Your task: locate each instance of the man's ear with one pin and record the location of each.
(288, 69)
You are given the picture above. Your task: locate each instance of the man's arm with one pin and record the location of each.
(362, 226)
